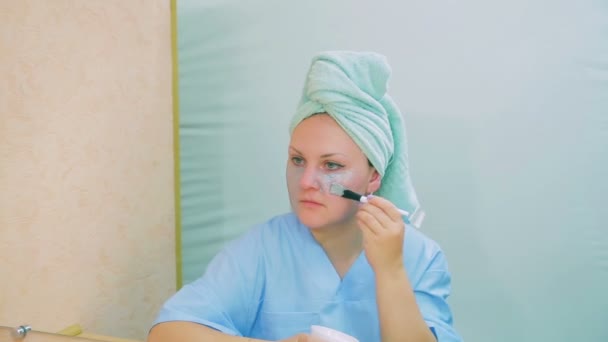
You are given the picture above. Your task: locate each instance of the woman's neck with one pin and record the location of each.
(342, 243)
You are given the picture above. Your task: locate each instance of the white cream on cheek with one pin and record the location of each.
(343, 178)
(321, 179)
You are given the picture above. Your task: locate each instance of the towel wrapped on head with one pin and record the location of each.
(352, 88)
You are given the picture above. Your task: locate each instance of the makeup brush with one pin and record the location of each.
(339, 190)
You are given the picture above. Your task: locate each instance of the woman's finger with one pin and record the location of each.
(377, 212)
(387, 207)
(367, 221)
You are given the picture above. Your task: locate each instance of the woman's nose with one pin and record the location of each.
(310, 179)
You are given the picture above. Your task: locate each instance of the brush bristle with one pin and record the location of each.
(339, 190)
(336, 189)
(352, 195)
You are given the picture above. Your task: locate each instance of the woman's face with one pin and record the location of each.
(321, 153)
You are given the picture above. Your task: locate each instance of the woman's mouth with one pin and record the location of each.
(310, 203)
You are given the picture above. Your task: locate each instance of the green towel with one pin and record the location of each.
(352, 88)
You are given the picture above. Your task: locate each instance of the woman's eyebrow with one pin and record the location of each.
(326, 155)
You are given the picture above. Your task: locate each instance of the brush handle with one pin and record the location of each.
(403, 212)
(364, 199)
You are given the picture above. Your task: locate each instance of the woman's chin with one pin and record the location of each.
(311, 221)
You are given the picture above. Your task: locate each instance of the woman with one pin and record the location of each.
(353, 267)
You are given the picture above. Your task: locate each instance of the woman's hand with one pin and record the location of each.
(383, 231)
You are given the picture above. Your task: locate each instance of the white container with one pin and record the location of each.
(330, 335)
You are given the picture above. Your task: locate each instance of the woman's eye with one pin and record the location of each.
(297, 161)
(333, 166)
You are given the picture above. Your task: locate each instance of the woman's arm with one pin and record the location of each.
(383, 233)
(400, 318)
(191, 332)
(224, 299)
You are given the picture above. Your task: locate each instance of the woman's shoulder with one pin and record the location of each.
(422, 251)
(418, 239)
(278, 228)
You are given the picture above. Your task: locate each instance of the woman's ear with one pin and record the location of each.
(374, 182)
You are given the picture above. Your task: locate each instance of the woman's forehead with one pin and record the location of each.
(321, 135)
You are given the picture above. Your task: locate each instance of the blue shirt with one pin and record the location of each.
(276, 281)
